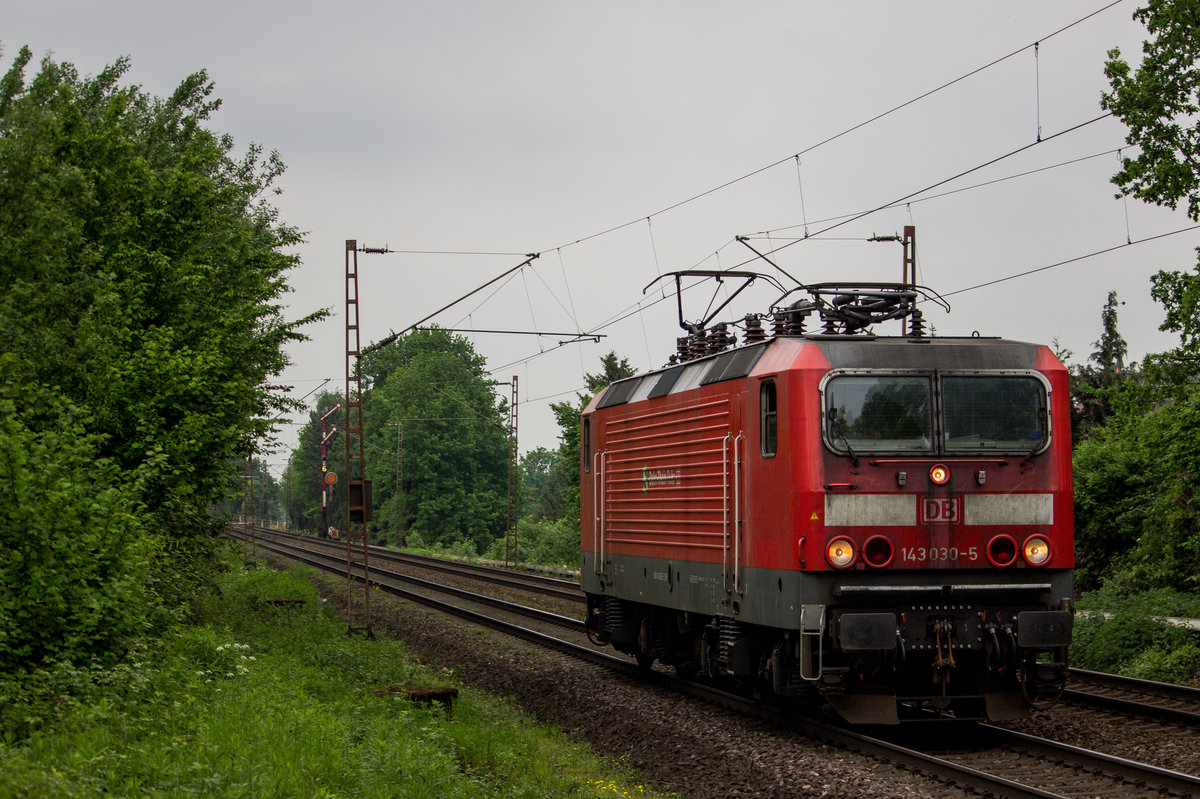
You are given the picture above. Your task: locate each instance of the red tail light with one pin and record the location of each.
(1002, 551)
(878, 551)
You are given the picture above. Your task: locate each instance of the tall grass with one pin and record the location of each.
(258, 699)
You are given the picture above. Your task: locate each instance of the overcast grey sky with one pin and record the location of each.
(531, 126)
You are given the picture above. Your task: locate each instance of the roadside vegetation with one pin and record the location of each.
(266, 699)
(142, 275)
(1137, 455)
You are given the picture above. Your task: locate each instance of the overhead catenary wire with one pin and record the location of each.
(846, 131)
(942, 182)
(654, 250)
(907, 201)
(910, 197)
(800, 183)
(1015, 276)
(643, 304)
(570, 312)
(1077, 258)
(1037, 87)
(964, 76)
(529, 258)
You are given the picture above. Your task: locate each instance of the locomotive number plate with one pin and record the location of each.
(946, 510)
(936, 554)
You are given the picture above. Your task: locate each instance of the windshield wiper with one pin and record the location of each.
(836, 429)
(1028, 459)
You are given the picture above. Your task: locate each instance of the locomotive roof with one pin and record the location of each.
(919, 353)
(842, 352)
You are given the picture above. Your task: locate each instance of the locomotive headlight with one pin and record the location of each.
(939, 474)
(840, 552)
(1036, 550)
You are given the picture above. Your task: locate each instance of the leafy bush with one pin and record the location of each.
(1130, 635)
(141, 284)
(73, 560)
(546, 543)
(1180, 664)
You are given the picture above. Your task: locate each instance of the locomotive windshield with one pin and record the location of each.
(885, 412)
(898, 413)
(993, 413)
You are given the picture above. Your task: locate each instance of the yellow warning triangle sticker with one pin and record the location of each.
(813, 518)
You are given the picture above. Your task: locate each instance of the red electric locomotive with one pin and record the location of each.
(885, 522)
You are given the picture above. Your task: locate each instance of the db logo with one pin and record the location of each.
(944, 511)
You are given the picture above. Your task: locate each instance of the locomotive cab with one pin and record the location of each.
(885, 522)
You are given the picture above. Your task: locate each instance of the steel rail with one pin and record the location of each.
(1147, 778)
(1157, 700)
(550, 586)
(391, 581)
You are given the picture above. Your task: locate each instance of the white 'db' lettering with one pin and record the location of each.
(940, 510)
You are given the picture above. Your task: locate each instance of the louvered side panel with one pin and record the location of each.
(665, 481)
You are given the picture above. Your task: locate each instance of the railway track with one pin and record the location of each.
(325, 555)
(986, 760)
(536, 583)
(1156, 700)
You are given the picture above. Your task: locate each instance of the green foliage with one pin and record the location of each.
(1136, 487)
(545, 543)
(143, 274)
(452, 458)
(141, 282)
(612, 369)
(1096, 386)
(1137, 480)
(73, 560)
(568, 416)
(267, 493)
(1158, 103)
(260, 700)
(304, 476)
(543, 484)
(1111, 491)
(1127, 633)
(454, 442)
(453, 445)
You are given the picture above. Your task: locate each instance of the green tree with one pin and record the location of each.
(1138, 479)
(1137, 487)
(142, 273)
(542, 485)
(612, 369)
(265, 490)
(1158, 103)
(73, 555)
(454, 441)
(1095, 385)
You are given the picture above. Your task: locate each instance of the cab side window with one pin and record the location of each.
(768, 414)
(587, 444)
